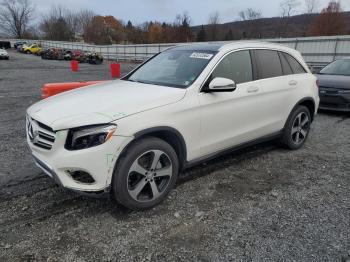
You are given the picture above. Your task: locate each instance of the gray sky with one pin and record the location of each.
(139, 11)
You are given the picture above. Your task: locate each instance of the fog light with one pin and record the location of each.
(81, 176)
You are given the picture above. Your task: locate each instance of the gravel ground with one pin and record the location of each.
(260, 204)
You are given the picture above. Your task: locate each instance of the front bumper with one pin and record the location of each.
(336, 102)
(97, 161)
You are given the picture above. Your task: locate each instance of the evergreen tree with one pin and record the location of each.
(229, 35)
(202, 35)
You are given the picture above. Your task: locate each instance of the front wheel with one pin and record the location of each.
(145, 174)
(297, 128)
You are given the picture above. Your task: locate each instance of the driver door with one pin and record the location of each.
(231, 118)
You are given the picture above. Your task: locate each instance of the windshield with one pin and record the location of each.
(174, 68)
(340, 67)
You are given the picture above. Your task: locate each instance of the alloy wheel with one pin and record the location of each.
(300, 128)
(149, 176)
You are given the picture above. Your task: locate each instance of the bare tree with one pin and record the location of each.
(182, 27)
(251, 26)
(79, 21)
(311, 6)
(289, 7)
(214, 18)
(63, 24)
(15, 16)
(55, 25)
(85, 18)
(214, 21)
(249, 14)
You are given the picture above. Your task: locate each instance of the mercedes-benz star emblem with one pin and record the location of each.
(33, 131)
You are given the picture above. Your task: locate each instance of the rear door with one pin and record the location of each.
(276, 82)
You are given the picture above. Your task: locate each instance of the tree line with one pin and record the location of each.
(17, 20)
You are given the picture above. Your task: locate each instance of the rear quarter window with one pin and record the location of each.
(287, 70)
(294, 64)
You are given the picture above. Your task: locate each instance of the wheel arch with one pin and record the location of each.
(170, 135)
(308, 102)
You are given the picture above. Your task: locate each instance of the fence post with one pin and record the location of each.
(335, 48)
(296, 44)
(108, 53)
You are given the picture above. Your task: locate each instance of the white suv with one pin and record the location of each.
(132, 137)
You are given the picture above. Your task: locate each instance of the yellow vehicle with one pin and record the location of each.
(32, 49)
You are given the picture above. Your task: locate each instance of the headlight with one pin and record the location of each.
(89, 136)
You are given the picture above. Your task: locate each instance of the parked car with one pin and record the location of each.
(4, 54)
(45, 53)
(79, 55)
(41, 52)
(132, 137)
(334, 82)
(5, 44)
(20, 48)
(15, 45)
(53, 54)
(32, 49)
(67, 54)
(94, 58)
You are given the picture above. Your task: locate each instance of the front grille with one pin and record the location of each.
(333, 90)
(328, 90)
(40, 134)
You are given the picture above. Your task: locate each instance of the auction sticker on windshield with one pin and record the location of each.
(202, 56)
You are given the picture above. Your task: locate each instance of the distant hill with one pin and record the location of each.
(275, 27)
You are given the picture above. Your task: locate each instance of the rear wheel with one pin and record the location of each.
(297, 128)
(145, 175)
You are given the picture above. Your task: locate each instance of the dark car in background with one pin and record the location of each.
(17, 44)
(5, 44)
(334, 86)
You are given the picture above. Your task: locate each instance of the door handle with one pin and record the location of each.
(253, 89)
(293, 83)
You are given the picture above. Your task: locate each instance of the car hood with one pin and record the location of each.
(335, 81)
(101, 103)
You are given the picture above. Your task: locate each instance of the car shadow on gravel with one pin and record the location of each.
(51, 201)
(227, 160)
(343, 115)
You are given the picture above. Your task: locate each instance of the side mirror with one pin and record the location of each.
(220, 84)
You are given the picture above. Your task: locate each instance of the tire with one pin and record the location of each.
(144, 188)
(297, 128)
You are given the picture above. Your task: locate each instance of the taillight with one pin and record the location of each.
(318, 83)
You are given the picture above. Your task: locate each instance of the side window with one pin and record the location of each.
(268, 63)
(236, 66)
(295, 65)
(287, 70)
